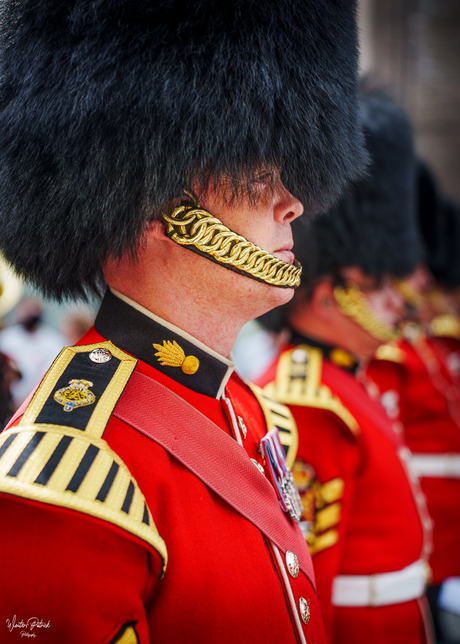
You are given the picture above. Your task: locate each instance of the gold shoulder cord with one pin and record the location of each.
(196, 229)
(298, 382)
(353, 303)
(75, 468)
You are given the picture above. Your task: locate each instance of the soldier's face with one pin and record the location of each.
(383, 298)
(264, 219)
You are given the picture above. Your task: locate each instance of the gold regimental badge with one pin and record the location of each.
(172, 355)
(342, 358)
(77, 394)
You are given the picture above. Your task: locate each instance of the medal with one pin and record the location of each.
(280, 475)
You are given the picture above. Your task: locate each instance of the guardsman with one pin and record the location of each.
(417, 380)
(364, 516)
(152, 147)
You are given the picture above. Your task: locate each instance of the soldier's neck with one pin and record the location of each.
(337, 332)
(214, 332)
(205, 300)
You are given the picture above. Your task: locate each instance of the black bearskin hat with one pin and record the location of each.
(450, 274)
(109, 109)
(430, 222)
(374, 224)
(439, 220)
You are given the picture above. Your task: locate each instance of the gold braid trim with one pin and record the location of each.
(353, 303)
(191, 226)
(447, 326)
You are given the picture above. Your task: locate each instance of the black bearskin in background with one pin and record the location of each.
(374, 224)
(109, 108)
(432, 225)
(450, 275)
(439, 220)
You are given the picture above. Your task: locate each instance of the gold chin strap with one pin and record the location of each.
(196, 229)
(409, 294)
(353, 303)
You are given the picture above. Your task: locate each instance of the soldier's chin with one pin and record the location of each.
(274, 296)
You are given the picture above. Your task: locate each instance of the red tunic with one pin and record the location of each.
(95, 582)
(418, 390)
(363, 515)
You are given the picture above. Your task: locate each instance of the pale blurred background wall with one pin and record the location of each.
(414, 47)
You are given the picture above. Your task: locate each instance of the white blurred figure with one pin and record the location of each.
(32, 345)
(254, 351)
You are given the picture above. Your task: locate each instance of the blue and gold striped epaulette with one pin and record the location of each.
(278, 415)
(298, 382)
(57, 454)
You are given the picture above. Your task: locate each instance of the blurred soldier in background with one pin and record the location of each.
(32, 344)
(365, 517)
(10, 376)
(417, 380)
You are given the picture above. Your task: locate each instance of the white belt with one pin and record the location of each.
(437, 465)
(383, 589)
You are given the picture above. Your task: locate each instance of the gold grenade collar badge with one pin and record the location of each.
(170, 354)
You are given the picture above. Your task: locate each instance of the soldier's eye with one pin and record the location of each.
(265, 177)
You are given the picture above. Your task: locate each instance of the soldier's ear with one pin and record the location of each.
(323, 298)
(155, 230)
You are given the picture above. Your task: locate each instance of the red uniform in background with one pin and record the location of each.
(364, 516)
(114, 525)
(417, 389)
(444, 337)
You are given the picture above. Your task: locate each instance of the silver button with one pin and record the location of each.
(100, 355)
(304, 610)
(242, 427)
(292, 563)
(427, 524)
(404, 454)
(300, 356)
(259, 466)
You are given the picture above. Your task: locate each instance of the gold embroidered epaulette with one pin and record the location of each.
(390, 352)
(445, 326)
(298, 382)
(278, 415)
(57, 455)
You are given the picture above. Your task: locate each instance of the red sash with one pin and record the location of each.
(214, 457)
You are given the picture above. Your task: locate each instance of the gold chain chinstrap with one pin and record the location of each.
(353, 303)
(196, 229)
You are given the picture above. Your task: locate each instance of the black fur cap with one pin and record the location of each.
(439, 221)
(449, 274)
(109, 108)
